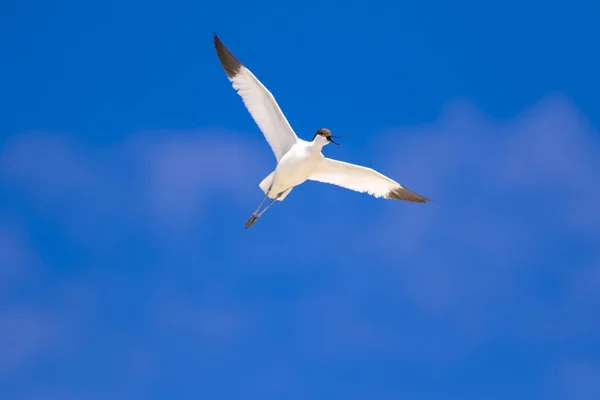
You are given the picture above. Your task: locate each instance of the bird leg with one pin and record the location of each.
(269, 205)
(256, 215)
(251, 220)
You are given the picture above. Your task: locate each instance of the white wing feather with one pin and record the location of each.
(259, 101)
(363, 180)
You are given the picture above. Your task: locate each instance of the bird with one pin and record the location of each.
(299, 160)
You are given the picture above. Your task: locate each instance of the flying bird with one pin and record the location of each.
(299, 160)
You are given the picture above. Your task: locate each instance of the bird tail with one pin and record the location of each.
(266, 184)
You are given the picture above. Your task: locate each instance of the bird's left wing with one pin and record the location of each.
(362, 179)
(259, 101)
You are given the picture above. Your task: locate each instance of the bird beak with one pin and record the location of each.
(333, 141)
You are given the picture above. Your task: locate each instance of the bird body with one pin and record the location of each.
(296, 166)
(299, 160)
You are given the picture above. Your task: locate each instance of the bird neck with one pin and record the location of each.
(319, 142)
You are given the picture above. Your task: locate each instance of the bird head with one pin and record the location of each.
(326, 134)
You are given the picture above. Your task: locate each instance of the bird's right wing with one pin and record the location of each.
(362, 179)
(259, 101)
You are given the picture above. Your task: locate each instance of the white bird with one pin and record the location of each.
(299, 160)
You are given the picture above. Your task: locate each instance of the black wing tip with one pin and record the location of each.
(403, 193)
(230, 64)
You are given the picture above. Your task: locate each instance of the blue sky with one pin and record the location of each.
(129, 165)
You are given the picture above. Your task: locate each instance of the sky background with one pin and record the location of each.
(128, 167)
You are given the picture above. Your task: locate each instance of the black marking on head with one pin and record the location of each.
(230, 64)
(406, 195)
(326, 133)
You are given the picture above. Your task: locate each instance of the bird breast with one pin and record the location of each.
(296, 166)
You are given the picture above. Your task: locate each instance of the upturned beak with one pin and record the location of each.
(337, 137)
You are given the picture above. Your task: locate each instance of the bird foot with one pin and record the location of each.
(251, 220)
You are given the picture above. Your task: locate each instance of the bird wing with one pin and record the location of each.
(259, 101)
(362, 179)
